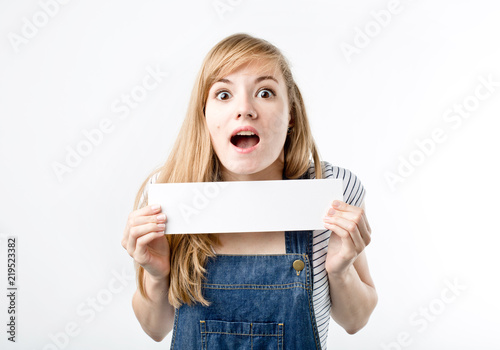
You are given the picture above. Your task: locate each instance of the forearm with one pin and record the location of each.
(156, 316)
(353, 300)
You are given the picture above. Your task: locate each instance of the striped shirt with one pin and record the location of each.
(354, 193)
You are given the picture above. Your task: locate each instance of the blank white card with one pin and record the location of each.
(245, 206)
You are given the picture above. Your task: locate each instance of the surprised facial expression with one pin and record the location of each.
(247, 114)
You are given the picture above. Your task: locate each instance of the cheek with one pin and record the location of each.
(213, 116)
(279, 121)
(278, 125)
(215, 119)
(215, 130)
(214, 127)
(212, 124)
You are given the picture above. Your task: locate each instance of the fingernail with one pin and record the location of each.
(155, 207)
(336, 203)
(162, 226)
(161, 217)
(331, 211)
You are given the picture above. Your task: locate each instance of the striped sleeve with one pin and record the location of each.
(354, 191)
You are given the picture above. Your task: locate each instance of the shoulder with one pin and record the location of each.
(354, 191)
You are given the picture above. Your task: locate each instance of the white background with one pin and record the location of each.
(367, 110)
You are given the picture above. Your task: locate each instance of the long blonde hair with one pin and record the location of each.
(193, 159)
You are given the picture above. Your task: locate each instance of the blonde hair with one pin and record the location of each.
(193, 159)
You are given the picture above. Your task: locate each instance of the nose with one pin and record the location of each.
(246, 108)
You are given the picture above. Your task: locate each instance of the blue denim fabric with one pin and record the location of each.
(257, 302)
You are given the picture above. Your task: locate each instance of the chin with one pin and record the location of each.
(243, 167)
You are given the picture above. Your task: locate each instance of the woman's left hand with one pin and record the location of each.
(350, 235)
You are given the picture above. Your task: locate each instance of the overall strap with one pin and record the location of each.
(299, 242)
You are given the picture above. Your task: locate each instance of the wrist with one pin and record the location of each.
(155, 286)
(343, 276)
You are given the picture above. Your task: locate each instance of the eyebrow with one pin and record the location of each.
(258, 80)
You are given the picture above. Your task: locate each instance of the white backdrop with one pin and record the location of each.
(405, 94)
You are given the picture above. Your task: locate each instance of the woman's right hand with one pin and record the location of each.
(145, 241)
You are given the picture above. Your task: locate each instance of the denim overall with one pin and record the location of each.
(257, 302)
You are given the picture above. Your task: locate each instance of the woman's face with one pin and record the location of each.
(247, 115)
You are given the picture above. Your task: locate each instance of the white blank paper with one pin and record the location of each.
(245, 206)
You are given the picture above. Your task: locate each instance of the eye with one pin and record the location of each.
(266, 93)
(221, 94)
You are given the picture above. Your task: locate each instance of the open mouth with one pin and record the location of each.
(245, 139)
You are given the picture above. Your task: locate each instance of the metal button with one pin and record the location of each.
(298, 265)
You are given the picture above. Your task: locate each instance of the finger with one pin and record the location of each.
(358, 240)
(348, 246)
(141, 252)
(346, 210)
(368, 228)
(158, 218)
(358, 216)
(338, 205)
(139, 231)
(133, 231)
(364, 230)
(351, 227)
(148, 214)
(149, 209)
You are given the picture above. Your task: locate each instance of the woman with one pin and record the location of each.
(246, 121)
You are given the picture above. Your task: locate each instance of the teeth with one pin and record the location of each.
(245, 133)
